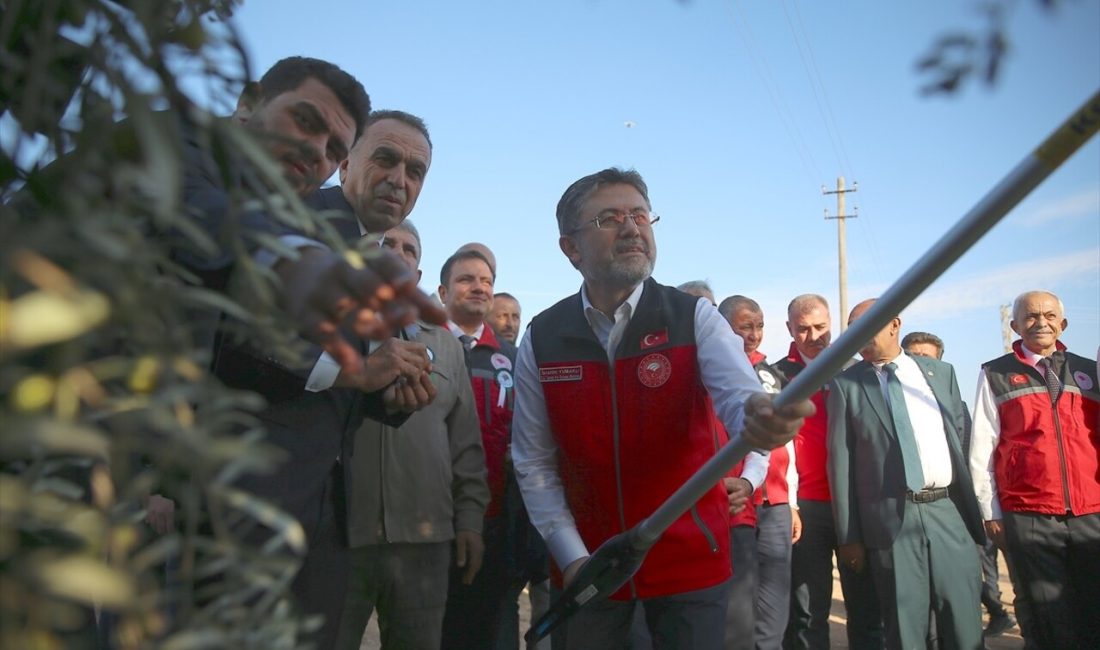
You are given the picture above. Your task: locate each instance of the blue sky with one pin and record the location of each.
(741, 111)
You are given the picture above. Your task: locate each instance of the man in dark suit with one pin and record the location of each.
(312, 412)
(307, 113)
(382, 176)
(902, 495)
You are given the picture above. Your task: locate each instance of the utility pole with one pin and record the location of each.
(1006, 327)
(842, 249)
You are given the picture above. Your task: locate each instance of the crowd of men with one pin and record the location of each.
(438, 469)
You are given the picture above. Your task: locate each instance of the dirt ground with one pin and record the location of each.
(1008, 641)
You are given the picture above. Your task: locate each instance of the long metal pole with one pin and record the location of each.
(1019, 182)
(615, 567)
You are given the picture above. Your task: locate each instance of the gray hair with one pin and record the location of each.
(1019, 302)
(733, 304)
(698, 288)
(805, 303)
(407, 226)
(569, 207)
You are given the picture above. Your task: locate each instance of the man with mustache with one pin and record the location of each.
(809, 324)
(778, 525)
(308, 113)
(505, 316)
(380, 182)
(383, 175)
(617, 389)
(1035, 460)
(902, 496)
(417, 489)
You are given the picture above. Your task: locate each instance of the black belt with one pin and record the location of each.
(927, 495)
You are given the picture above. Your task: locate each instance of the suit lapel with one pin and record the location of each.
(943, 397)
(868, 383)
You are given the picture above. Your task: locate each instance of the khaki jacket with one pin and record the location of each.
(424, 480)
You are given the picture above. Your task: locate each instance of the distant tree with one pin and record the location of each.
(105, 396)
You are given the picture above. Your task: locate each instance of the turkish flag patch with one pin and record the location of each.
(1017, 380)
(653, 339)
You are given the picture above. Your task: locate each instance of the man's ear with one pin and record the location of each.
(344, 168)
(247, 102)
(1065, 324)
(442, 291)
(419, 274)
(569, 247)
(1015, 328)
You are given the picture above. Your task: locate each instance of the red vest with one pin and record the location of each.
(490, 363)
(1047, 459)
(775, 481)
(809, 445)
(631, 432)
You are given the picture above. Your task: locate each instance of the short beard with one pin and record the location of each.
(629, 274)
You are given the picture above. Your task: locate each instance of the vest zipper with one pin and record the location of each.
(488, 393)
(706, 531)
(1061, 453)
(618, 462)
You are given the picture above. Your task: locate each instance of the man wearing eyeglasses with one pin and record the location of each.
(616, 390)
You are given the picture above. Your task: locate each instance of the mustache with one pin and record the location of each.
(624, 246)
(385, 190)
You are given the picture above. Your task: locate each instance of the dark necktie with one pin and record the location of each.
(1054, 385)
(907, 438)
(468, 342)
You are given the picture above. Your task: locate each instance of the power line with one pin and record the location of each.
(760, 64)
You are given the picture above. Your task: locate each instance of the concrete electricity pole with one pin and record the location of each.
(1006, 327)
(842, 249)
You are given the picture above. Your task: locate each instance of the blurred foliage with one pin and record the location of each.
(960, 56)
(105, 396)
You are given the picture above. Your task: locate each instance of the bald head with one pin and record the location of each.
(884, 346)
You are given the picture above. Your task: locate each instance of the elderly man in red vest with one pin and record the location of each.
(617, 387)
(1035, 459)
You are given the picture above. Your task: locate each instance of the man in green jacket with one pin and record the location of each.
(415, 490)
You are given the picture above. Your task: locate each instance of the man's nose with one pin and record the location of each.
(629, 229)
(396, 175)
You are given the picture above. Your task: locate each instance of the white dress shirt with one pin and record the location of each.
(724, 370)
(925, 417)
(326, 370)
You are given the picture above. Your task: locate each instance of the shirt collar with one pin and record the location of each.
(1029, 356)
(902, 360)
(458, 331)
(625, 310)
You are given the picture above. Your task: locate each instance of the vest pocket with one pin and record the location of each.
(713, 543)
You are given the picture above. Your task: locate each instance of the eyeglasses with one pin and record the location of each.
(603, 221)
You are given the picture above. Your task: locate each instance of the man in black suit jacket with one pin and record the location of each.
(902, 496)
(310, 112)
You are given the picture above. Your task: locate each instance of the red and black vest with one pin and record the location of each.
(1048, 457)
(810, 452)
(632, 431)
(491, 364)
(775, 489)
